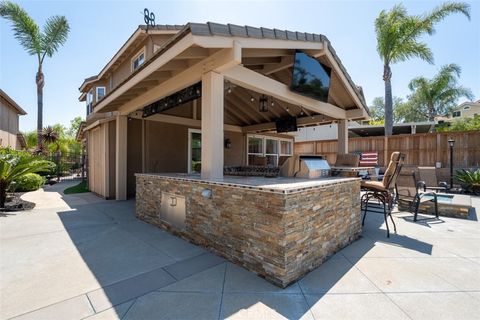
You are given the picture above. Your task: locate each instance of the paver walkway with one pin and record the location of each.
(78, 256)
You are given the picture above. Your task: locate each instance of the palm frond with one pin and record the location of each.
(25, 29)
(55, 33)
(444, 10)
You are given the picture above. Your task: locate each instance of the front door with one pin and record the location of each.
(194, 150)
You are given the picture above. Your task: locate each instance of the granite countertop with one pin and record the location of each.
(277, 185)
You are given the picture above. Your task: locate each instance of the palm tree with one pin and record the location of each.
(36, 42)
(437, 95)
(398, 39)
(14, 166)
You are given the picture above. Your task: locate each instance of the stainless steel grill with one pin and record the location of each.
(313, 167)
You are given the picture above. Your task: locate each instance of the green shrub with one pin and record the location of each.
(29, 182)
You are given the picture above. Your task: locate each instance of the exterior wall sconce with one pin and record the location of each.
(263, 104)
(207, 193)
(228, 143)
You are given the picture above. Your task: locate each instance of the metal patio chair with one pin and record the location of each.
(382, 192)
(409, 194)
(429, 177)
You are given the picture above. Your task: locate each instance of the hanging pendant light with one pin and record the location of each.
(263, 104)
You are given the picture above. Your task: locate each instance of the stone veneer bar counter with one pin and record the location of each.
(279, 228)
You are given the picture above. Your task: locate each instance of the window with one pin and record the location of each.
(466, 108)
(456, 114)
(271, 152)
(138, 60)
(89, 102)
(269, 148)
(100, 93)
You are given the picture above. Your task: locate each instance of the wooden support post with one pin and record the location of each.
(342, 137)
(212, 126)
(121, 158)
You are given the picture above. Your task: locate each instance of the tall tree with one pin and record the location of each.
(398, 39)
(439, 94)
(37, 43)
(377, 108)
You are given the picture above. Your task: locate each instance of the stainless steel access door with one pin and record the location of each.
(172, 210)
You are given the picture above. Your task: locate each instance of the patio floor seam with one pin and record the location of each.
(129, 308)
(381, 291)
(306, 301)
(223, 289)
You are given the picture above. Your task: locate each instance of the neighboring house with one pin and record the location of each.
(468, 109)
(355, 129)
(10, 111)
(201, 97)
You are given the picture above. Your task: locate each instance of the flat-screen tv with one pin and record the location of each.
(288, 124)
(310, 77)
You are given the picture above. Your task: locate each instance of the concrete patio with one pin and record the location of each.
(78, 256)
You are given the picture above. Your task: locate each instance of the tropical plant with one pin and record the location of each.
(439, 94)
(50, 136)
(398, 39)
(37, 43)
(14, 165)
(29, 182)
(469, 179)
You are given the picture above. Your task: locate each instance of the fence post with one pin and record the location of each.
(439, 149)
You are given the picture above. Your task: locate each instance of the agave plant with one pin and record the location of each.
(14, 166)
(470, 180)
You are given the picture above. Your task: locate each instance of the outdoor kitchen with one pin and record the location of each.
(201, 134)
(278, 227)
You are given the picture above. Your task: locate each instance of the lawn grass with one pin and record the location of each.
(79, 188)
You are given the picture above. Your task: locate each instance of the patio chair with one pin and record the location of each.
(428, 175)
(409, 194)
(383, 192)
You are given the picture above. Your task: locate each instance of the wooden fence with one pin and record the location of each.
(424, 149)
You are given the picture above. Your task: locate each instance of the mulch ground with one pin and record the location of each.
(14, 203)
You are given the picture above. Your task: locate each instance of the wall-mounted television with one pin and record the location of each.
(310, 77)
(287, 124)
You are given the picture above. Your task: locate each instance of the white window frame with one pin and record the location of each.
(135, 57)
(466, 108)
(264, 146)
(89, 103)
(96, 93)
(189, 162)
(459, 114)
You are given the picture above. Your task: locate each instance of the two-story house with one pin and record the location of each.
(468, 109)
(10, 112)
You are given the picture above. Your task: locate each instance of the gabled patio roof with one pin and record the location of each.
(198, 46)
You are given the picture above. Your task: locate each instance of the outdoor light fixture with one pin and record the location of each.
(252, 98)
(451, 143)
(228, 143)
(207, 193)
(263, 104)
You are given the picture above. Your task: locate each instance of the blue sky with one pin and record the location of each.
(99, 28)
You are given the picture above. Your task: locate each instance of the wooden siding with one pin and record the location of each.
(424, 149)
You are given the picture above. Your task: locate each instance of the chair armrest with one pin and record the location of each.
(443, 184)
(422, 185)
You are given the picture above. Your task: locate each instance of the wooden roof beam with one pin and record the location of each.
(260, 83)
